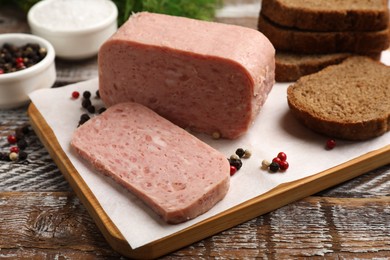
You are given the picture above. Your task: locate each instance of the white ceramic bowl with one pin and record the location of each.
(76, 28)
(15, 86)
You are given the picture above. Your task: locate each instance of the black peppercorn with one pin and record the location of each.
(25, 129)
(86, 103)
(101, 110)
(235, 162)
(86, 94)
(84, 118)
(22, 144)
(91, 109)
(240, 152)
(22, 155)
(4, 157)
(274, 167)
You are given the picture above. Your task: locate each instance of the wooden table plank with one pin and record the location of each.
(33, 222)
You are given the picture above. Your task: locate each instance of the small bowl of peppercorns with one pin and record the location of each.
(26, 64)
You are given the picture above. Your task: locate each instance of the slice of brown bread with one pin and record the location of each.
(328, 15)
(350, 100)
(291, 66)
(306, 42)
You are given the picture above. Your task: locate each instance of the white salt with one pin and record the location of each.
(72, 14)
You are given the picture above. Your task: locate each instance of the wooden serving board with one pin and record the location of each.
(277, 197)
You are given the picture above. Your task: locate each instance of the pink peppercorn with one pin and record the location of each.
(282, 156)
(12, 139)
(233, 170)
(14, 149)
(75, 94)
(330, 144)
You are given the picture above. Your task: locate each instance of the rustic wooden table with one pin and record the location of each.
(41, 218)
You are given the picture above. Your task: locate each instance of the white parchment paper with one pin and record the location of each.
(274, 130)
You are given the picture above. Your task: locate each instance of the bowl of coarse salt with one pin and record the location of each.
(26, 64)
(76, 28)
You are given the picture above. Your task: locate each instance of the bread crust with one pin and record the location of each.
(290, 66)
(307, 16)
(305, 42)
(306, 99)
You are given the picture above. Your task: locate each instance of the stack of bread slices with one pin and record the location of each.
(310, 35)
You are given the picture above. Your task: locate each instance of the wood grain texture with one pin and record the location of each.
(40, 223)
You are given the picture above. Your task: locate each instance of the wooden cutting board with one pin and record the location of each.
(276, 198)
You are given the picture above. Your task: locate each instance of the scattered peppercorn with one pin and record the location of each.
(234, 157)
(75, 94)
(12, 139)
(15, 152)
(282, 156)
(265, 164)
(87, 94)
(216, 135)
(274, 167)
(13, 156)
(25, 129)
(240, 152)
(22, 155)
(330, 144)
(91, 109)
(86, 103)
(97, 94)
(283, 165)
(278, 163)
(84, 118)
(4, 157)
(14, 149)
(233, 170)
(101, 110)
(277, 160)
(247, 154)
(22, 144)
(236, 162)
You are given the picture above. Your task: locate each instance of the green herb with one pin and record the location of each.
(197, 9)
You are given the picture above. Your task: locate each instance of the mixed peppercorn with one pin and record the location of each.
(86, 103)
(18, 143)
(14, 58)
(277, 163)
(235, 160)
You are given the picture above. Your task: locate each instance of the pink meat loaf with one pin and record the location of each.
(205, 76)
(173, 172)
